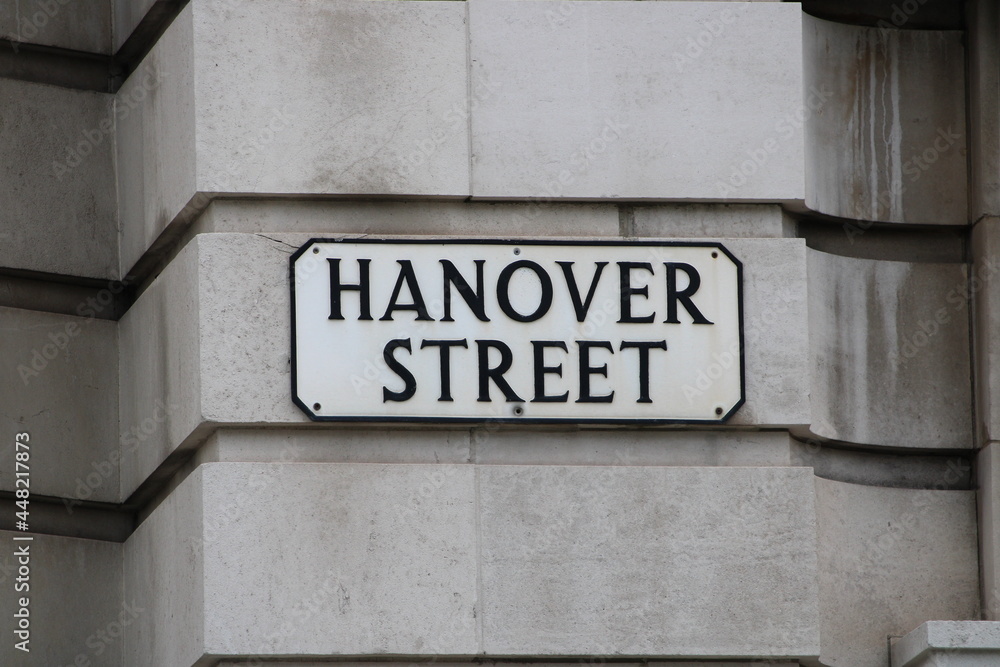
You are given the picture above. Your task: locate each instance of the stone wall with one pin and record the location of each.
(164, 159)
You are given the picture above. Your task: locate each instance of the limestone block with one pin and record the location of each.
(889, 560)
(370, 104)
(890, 347)
(159, 401)
(459, 560)
(344, 560)
(59, 376)
(952, 643)
(383, 562)
(57, 180)
(776, 331)
(163, 572)
(666, 100)
(370, 100)
(985, 293)
(630, 447)
(420, 218)
(80, 25)
(223, 313)
(708, 220)
(984, 108)
(988, 469)
(156, 140)
(358, 445)
(881, 148)
(492, 446)
(76, 610)
(678, 562)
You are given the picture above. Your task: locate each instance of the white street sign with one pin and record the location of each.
(530, 331)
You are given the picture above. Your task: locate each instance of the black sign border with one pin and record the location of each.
(374, 419)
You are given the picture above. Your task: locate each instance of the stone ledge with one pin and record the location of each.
(455, 561)
(945, 643)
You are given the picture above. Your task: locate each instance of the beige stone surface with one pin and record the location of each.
(446, 560)
(76, 610)
(80, 25)
(984, 108)
(155, 135)
(344, 559)
(890, 345)
(164, 566)
(495, 446)
(410, 218)
(370, 86)
(984, 290)
(374, 565)
(698, 562)
(375, 104)
(880, 147)
(641, 107)
(630, 448)
(988, 497)
(59, 379)
(711, 220)
(776, 331)
(339, 445)
(985, 250)
(952, 643)
(57, 180)
(160, 385)
(890, 559)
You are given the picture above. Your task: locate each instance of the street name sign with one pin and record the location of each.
(469, 330)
